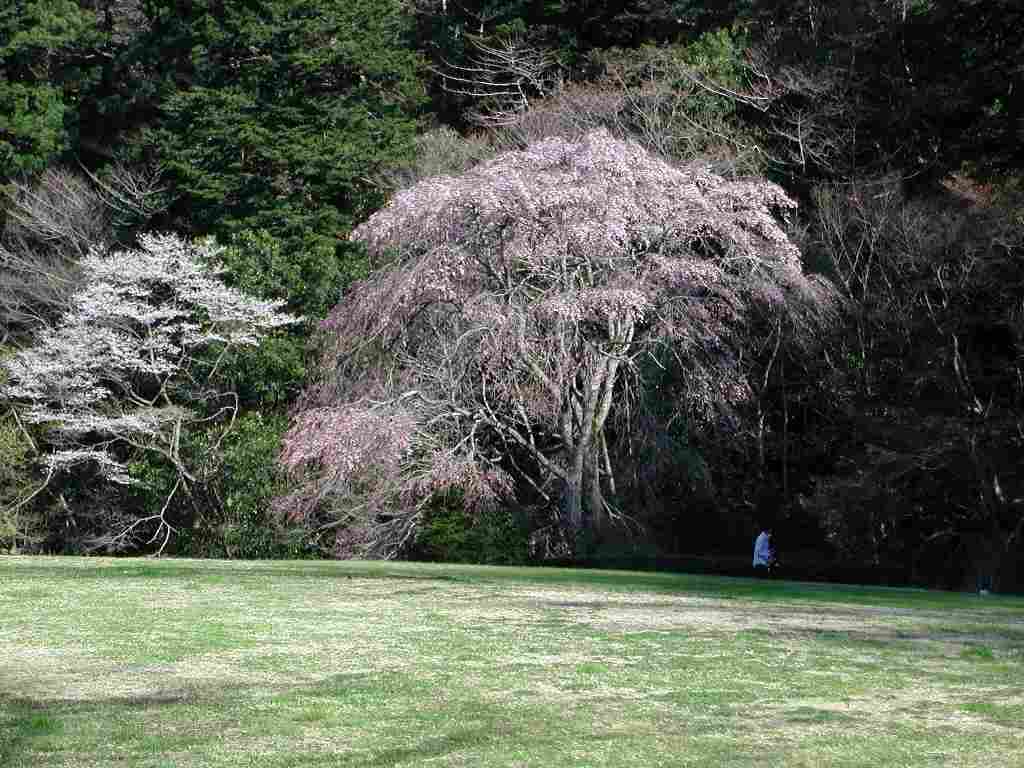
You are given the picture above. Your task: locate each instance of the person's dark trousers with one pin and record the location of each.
(762, 571)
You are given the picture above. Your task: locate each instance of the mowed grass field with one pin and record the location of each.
(125, 662)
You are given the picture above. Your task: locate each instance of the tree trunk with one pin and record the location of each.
(582, 502)
(593, 496)
(582, 426)
(785, 430)
(572, 502)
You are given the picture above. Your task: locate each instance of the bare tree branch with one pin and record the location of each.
(505, 76)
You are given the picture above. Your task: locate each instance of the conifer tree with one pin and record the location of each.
(42, 67)
(277, 115)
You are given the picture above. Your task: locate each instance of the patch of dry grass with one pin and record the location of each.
(120, 662)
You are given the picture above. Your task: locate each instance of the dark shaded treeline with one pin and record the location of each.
(275, 124)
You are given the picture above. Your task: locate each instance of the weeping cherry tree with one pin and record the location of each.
(514, 311)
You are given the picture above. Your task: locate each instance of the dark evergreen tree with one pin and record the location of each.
(277, 115)
(44, 67)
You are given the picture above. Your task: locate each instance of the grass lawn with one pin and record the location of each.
(117, 662)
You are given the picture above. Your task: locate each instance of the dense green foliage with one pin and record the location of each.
(449, 534)
(275, 117)
(45, 65)
(19, 526)
(236, 518)
(227, 513)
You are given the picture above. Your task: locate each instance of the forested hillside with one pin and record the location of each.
(596, 281)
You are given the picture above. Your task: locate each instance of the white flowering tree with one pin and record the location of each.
(129, 367)
(510, 320)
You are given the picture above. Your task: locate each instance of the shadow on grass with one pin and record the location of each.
(29, 726)
(974, 643)
(431, 747)
(708, 586)
(159, 725)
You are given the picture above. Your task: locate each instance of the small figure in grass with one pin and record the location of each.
(764, 555)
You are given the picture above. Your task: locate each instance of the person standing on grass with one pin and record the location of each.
(763, 554)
